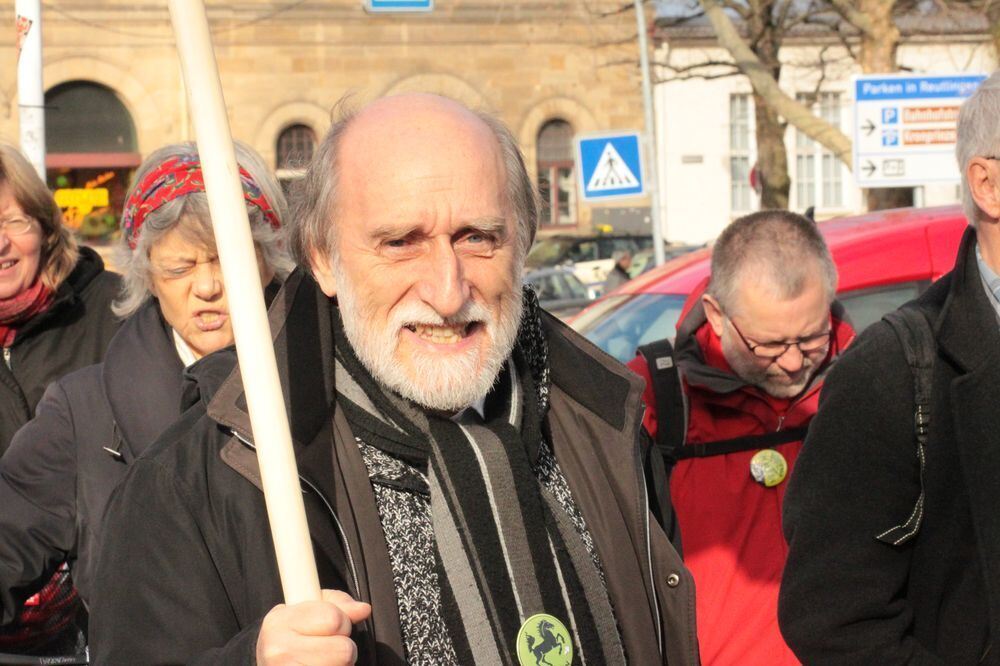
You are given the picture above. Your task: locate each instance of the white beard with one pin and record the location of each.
(448, 385)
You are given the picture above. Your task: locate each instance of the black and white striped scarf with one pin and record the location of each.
(505, 551)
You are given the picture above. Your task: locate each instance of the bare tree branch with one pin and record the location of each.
(766, 87)
(854, 16)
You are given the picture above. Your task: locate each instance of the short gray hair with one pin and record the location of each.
(193, 210)
(315, 197)
(978, 135)
(775, 245)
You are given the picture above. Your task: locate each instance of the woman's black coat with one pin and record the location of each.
(73, 333)
(60, 469)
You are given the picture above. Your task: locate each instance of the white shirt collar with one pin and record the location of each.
(187, 356)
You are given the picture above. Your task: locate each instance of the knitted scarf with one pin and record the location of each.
(19, 309)
(508, 557)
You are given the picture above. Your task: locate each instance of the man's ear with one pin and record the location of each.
(714, 313)
(984, 185)
(322, 270)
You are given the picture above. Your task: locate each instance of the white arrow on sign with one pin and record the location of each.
(611, 172)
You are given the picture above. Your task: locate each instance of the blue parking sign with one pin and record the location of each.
(610, 166)
(890, 116)
(399, 5)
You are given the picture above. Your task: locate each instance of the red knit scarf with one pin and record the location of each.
(18, 309)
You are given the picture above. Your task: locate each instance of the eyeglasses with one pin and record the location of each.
(772, 351)
(15, 226)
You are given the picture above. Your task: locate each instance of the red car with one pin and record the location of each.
(884, 259)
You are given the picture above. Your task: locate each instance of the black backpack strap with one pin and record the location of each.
(748, 443)
(668, 399)
(917, 339)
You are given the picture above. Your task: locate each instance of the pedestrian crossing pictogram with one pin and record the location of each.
(610, 166)
(611, 173)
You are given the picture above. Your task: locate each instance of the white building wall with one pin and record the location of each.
(693, 131)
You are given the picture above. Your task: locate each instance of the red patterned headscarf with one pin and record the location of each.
(178, 177)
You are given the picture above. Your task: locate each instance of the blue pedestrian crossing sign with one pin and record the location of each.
(610, 166)
(399, 5)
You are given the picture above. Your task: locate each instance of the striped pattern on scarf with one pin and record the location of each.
(505, 551)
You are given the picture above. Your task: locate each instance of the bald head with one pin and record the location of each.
(413, 141)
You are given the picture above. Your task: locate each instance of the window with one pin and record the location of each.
(819, 174)
(866, 306)
(294, 149)
(556, 179)
(739, 152)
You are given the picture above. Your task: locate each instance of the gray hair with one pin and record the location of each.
(618, 255)
(313, 227)
(775, 246)
(978, 135)
(190, 214)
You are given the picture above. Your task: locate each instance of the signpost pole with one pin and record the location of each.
(650, 135)
(30, 94)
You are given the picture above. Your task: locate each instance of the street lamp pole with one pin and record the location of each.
(649, 136)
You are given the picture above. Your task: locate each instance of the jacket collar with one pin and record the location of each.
(967, 318)
(303, 340)
(142, 347)
(88, 267)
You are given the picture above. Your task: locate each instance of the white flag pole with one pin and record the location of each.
(272, 436)
(30, 93)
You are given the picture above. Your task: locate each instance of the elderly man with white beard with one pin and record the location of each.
(471, 468)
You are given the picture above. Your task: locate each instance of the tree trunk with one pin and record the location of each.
(772, 157)
(879, 44)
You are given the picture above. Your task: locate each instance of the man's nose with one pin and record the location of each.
(207, 281)
(442, 283)
(791, 361)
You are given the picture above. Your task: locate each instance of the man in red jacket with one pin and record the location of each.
(751, 352)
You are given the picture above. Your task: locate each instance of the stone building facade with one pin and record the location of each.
(550, 69)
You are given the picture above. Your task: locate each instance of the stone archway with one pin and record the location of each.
(564, 108)
(152, 126)
(310, 114)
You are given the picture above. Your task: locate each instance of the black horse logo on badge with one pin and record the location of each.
(544, 641)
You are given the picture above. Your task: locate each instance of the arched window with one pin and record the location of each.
(295, 147)
(91, 153)
(84, 117)
(556, 178)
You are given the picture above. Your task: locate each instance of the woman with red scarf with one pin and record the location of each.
(61, 468)
(55, 317)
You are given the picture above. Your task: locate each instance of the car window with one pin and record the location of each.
(623, 322)
(548, 251)
(583, 251)
(574, 288)
(866, 306)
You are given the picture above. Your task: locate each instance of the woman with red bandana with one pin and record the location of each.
(55, 317)
(61, 467)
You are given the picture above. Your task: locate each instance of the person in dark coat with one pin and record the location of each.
(894, 553)
(61, 467)
(55, 317)
(618, 275)
(470, 467)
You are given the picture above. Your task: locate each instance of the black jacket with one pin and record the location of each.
(71, 334)
(60, 469)
(847, 598)
(187, 569)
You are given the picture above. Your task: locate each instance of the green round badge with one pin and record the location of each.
(544, 641)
